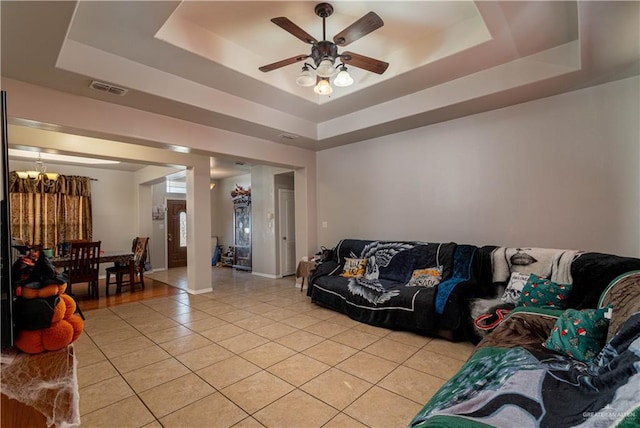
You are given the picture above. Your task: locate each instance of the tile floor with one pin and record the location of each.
(255, 352)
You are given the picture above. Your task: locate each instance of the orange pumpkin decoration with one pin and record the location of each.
(65, 327)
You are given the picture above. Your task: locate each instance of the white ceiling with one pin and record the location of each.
(198, 60)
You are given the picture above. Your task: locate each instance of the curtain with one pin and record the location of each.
(50, 213)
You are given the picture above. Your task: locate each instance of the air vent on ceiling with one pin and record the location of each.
(107, 87)
(288, 136)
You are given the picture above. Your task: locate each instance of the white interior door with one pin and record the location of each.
(287, 223)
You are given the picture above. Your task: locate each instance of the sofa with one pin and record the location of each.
(471, 282)
(529, 370)
(557, 332)
(385, 293)
(589, 273)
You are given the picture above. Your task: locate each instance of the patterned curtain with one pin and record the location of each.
(46, 215)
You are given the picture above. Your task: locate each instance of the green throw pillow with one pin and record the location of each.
(579, 333)
(540, 292)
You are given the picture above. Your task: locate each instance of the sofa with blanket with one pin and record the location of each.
(548, 366)
(557, 331)
(396, 284)
(505, 270)
(442, 289)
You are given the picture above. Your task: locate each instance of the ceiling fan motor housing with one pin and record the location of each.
(324, 50)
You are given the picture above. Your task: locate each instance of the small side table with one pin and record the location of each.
(304, 270)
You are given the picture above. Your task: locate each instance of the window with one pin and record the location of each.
(176, 186)
(177, 183)
(183, 229)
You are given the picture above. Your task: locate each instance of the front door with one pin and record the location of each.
(176, 233)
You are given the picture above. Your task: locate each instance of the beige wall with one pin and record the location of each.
(560, 172)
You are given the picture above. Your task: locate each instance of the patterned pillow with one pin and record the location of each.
(579, 334)
(514, 288)
(540, 292)
(429, 277)
(353, 268)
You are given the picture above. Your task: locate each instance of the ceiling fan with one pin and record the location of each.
(324, 53)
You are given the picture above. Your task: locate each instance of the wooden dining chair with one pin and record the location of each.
(133, 271)
(84, 266)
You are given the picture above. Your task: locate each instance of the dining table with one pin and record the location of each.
(106, 256)
(117, 257)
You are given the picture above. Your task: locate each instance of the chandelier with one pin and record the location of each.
(39, 174)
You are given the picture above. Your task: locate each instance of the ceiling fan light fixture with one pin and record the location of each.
(343, 78)
(325, 68)
(306, 78)
(323, 87)
(324, 53)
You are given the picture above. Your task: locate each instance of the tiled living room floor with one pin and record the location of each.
(254, 352)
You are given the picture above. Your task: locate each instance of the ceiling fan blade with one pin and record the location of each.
(360, 28)
(275, 65)
(293, 29)
(364, 62)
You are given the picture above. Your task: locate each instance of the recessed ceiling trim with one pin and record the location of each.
(463, 28)
(194, 39)
(522, 71)
(516, 73)
(89, 61)
(445, 43)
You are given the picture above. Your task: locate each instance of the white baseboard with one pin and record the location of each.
(192, 291)
(264, 275)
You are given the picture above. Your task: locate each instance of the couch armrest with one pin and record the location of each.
(450, 304)
(323, 269)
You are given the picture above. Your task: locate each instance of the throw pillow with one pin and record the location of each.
(517, 282)
(579, 333)
(429, 277)
(354, 268)
(540, 292)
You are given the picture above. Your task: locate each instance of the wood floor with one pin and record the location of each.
(153, 288)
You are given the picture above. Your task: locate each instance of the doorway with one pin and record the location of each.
(287, 228)
(176, 233)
